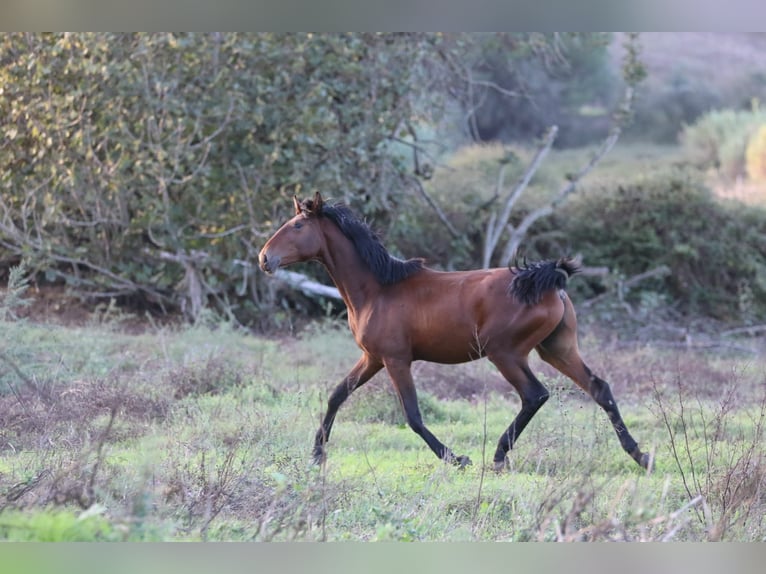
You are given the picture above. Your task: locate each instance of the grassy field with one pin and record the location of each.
(204, 433)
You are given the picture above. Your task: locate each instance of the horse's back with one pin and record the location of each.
(454, 317)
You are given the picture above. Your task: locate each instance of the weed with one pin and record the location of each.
(720, 460)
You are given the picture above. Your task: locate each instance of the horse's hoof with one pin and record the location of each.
(646, 461)
(462, 461)
(458, 461)
(319, 457)
(500, 465)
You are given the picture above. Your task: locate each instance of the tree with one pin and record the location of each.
(499, 225)
(150, 166)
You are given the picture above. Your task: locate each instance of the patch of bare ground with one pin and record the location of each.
(748, 192)
(632, 370)
(470, 381)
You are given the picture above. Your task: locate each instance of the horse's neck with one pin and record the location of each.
(355, 282)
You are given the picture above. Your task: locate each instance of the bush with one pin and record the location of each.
(57, 526)
(150, 167)
(716, 251)
(718, 140)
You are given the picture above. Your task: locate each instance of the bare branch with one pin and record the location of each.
(633, 73)
(434, 206)
(518, 234)
(308, 286)
(497, 224)
(752, 331)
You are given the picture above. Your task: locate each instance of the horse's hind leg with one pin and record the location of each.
(561, 351)
(533, 396)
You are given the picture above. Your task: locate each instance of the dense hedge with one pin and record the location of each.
(151, 167)
(716, 251)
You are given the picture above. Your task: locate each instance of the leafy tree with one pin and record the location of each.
(151, 166)
(520, 84)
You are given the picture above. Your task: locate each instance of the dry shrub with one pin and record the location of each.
(209, 484)
(70, 415)
(209, 377)
(719, 459)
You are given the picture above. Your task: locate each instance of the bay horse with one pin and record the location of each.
(402, 311)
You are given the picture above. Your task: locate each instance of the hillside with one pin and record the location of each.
(720, 60)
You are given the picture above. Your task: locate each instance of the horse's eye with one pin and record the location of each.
(297, 225)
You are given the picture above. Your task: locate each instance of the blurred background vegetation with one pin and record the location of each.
(149, 169)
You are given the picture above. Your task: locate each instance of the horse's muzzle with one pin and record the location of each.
(268, 264)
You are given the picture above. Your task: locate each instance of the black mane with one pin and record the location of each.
(386, 268)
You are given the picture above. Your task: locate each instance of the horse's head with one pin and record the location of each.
(299, 239)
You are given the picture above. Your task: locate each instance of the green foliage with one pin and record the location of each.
(57, 526)
(149, 167)
(719, 139)
(13, 297)
(714, 250)
(561, 79)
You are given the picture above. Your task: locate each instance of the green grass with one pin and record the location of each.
(205, 433)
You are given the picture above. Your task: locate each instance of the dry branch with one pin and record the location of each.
(496, 224)
(519, 233)
(626, 285)
(439, 213)
(308, 286)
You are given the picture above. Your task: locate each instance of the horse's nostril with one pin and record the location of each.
(268, 264)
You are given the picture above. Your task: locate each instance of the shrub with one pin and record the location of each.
(716, 251)
(57, 526)
(150, 167)
(718, 140)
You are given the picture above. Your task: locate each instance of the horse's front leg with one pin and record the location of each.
(401, 376)
(363, 371)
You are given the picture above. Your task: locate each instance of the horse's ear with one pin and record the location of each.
(318, 202)
(297, 205)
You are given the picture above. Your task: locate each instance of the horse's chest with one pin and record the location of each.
(376, 332)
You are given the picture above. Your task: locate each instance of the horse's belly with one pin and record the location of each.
(448, 350)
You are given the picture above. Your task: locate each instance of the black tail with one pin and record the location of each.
(532, 280)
